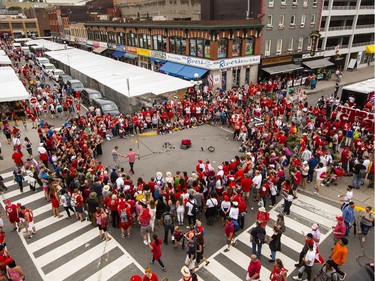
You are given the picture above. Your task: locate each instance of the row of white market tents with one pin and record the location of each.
(4, 59)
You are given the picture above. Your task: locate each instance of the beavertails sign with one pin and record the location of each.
(350, 115)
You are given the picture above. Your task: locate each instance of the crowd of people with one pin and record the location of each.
(283, 143)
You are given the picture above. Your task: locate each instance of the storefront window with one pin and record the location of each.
(120, 38)
(223, 48)
(96, 35)
(111, 37)
(172, 45)
(90, 35)
(249, 46)
(132, 40)
(193, 47)
(177, 45)
(183, 46)
(200, 47)
(144, 41)
(236, 48)
(103, 36)
(159, 43)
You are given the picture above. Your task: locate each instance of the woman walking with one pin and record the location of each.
(65, 202)
(281, 227)
(15, 272)
(180, 209)
(155, 247)
(274, 243)
(278, 273)
(366, 221)
(288, 200)
(54, 201)
(102, 222)
(200, 250)
(29, 146)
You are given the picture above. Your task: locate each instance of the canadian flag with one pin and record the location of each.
(337, 49)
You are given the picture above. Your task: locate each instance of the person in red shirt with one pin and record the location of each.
(253, 271)
(297, 179)
(279, 273)
(17, 157)
(77, 197)
(229, 233)
(150, 276)
(29, 221)
(12, 214)
(246, 185)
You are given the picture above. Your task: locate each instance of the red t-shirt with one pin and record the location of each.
(254, 267)
(153, 277)
(11, 210)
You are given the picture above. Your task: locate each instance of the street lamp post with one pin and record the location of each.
(128, 85)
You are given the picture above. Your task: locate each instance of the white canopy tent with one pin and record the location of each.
(47, 45)
(115, 74)
(2, 53)
(5, 60)
(12, 88)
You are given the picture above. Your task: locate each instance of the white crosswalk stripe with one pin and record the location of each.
(305, 211)
(91, 248)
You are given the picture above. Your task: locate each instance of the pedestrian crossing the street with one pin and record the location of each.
(65, 249)
(305, 211)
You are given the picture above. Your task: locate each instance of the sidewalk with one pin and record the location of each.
(348, 77)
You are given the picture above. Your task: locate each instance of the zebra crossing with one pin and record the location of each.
(305, 211)
(64, 249)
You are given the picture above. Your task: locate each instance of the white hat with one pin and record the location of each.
(262, 209)
(106, 188)
(168, 174)
(305, 162)
(185, 271)
(159, 174)
(235, 203)
(220, 167)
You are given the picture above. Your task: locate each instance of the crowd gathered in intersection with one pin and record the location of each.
(285, 143)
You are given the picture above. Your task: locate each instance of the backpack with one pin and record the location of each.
(68, 199)
(261, 237)
(195, 209)
(123, 216)
(73, 201)
(167, 219)
(236, 225)
(323, 276)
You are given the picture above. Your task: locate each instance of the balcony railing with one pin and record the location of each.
(362, 44)
(367, 7)
(334, 47)
(340, 7)
(365, 26)
(333, 28)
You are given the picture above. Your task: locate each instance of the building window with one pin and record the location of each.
(271, 3)
(313, 19)
(236, 47)
(293, 21)
(132, 40)
(303, 20)
(281, 21)
(90, 34)
(111, 37)
(200, 47)
(177, 45)
(283, 3)
(269, 21)
(305, 3)
(30, 25)
(103, 36)
(290, 45)
(295, 3)
(223, 48)
(96, 35)
(144, 41)
(120, 38)
(300, 44)
(279, 46)
(4, 26)
(267, 48)
(309, 43)
(16, 25)
(249, 46)
(159, 43)
(315, 3)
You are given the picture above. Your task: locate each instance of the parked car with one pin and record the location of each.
(87, 95)
(75, 85)
(47, 68)
(106, 106)
(41, 61)
(56, 73)
(63, 79)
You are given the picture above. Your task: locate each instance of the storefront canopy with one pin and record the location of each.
(315, 64)
(286, 68)
(183, 71)
(115, 74)
(118, 54)
(370, 49)
(2, 53)
(12, 88)
(4, 60)
(99, 50)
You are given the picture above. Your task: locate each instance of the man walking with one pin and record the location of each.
(307, 264)
(339, 255)
(115, 156)
(168, 224)
(348, 216)
(257, 238)
(131, 156)
(253, 271)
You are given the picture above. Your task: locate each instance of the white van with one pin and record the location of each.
(47, 68)
(41, 61)
(16, 45)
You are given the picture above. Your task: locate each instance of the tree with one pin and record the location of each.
(14, 8)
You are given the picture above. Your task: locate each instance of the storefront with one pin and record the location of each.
(131, 55)
(320, 66)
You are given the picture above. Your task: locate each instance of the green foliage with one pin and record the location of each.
(14, 8)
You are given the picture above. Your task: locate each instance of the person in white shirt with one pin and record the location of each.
(319, 169)
(233, 212)
(120, 183)
(348, 197)
(257, 181)
(308, 262)
(306, 154)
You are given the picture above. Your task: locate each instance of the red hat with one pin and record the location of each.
(226, 198)
(340, 218)
(8, 201)
(136, 278)
(200, 161)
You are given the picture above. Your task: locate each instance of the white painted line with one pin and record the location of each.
(325, 210)
(266, 252)
(48, 221)
(221, 272)
(54, 236)
(314, 218)
(67, 247)
(79, 262)
(289, 222)
(111, 269)
(42, 210)
(285, 240)
(25, 200)
(7, 175)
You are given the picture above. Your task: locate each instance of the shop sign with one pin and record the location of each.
(89, 42)
(120, 48)
(277, 60)
(317, 54)
(103, 44)
(158, 55)
(351, 115)
(131, 49)
(213, 65)
(143, 52)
